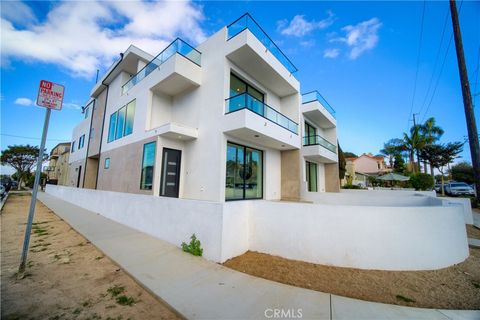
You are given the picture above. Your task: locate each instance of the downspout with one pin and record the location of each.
(103, 121)
(88, 143)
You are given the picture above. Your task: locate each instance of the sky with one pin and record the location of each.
(376, 63)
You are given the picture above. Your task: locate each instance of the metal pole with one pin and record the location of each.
(31, 212)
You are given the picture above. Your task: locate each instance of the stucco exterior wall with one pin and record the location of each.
(364, 236)
(291, 169)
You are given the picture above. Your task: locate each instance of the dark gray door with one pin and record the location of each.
(170, 173)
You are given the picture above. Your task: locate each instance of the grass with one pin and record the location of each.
(86, 303)
(116, 290)
(77, 311)
(404, 299)
(476, 284)
(125, 301)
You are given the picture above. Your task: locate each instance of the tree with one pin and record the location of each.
(391, 148)
(341, 163)
(348, 154)
(462, 171)
(440, 155)
(22, 158)
(399, 164)
(413, 143)
(431, 134)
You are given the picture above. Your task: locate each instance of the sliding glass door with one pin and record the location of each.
(244, 178)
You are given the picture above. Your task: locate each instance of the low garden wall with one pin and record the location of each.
(369, 237)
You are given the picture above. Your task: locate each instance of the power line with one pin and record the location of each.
(32, 138)
(441, 70)
(418, 62)
(436, 61)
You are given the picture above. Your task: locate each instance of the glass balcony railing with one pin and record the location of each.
(177, 46)
(246, 101)
(317, 140)
(316, 96)
(247, 22)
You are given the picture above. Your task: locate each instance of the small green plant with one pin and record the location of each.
(194, 247)
(116, 290)
(404, 299)
(125, 301)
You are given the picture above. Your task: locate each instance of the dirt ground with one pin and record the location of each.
(456, 287)
(67, 277)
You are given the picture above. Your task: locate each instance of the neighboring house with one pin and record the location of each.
(359, 169)
(223, 121)
(57, 170)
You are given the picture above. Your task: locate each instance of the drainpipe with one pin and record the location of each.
(103, 121)
(88, 144)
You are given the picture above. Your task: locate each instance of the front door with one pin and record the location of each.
(170, 173)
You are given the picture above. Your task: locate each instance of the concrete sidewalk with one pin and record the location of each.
(199, 289)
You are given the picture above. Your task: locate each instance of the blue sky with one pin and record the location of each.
(361, 56)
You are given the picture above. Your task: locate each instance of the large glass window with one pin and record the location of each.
(312, 176)
(81, 142)
(310, 134)
(129, 118)
(112, 126)
(120, 123)
(238, 86)
(244, 176)
(148, 164)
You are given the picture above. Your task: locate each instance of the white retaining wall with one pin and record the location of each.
(367, 237)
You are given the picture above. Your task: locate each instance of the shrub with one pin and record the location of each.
(421, 181)
(194, 247)
(351, 186)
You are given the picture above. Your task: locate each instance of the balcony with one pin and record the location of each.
(318, 149)
(250, 119)
(316, 108)
(176, 69)
(251, 49)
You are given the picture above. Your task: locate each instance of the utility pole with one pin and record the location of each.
(467, 99)
(416, 131)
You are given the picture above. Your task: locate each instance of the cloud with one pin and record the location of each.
(331, 53)
(299, 27)
(360, 37)
(85, 36)
(307, 43)
(71, 105)
(17, 12)
(24, 101)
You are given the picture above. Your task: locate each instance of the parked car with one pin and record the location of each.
(438, 187)
(459, 189)
(3, 192)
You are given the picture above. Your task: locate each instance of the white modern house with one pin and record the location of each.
(168, 141)
(223, 121)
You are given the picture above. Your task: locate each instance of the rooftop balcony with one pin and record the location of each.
(318, 149)
(250, 119)
(316, 108)
(250, 48)
(176, 69)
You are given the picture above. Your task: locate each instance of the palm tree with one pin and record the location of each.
(391, 148)
(413, 143)
(431, 133)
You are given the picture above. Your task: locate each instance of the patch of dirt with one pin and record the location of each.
(473, 232)
(456, 287)
(66, 276)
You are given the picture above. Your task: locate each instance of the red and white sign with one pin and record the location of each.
(50, 95)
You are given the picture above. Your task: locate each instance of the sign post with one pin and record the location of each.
(50, 96)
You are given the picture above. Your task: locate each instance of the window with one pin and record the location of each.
(86, 110)
(92, 133)
(107, 163)
(238, 86)
(129, 118)
(310, 134)
(81, 142)
(111, 128)
(312, 176)
(244, 177)
(148, 163)
(121, 122)
(73, 146)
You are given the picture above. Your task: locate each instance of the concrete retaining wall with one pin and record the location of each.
(369, 237)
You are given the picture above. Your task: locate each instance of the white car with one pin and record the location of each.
(459, 189)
